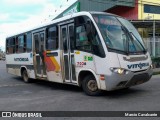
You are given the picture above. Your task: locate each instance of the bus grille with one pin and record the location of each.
(138, 79)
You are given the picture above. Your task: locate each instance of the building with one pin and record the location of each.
(144, 14)
(96, 5)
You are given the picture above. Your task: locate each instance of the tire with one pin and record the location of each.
(90, 87)
(25, 76)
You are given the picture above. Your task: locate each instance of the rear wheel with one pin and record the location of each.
(25, 76)
(90, 87)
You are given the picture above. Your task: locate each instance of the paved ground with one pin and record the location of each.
(15, 95)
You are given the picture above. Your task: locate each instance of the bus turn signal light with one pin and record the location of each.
(102, 77)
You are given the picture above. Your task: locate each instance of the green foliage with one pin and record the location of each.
(156, 73)
(156, 62)
(155, 59)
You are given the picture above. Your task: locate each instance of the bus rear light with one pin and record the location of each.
(102, 77)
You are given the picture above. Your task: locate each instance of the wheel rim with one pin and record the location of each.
(92, 85)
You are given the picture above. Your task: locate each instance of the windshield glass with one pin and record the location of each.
(118, 35)
(137, 40)
(130, 28)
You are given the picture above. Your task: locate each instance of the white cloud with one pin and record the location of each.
(32, 21)
(2, 42)
(8, 29)
(4, 16)
(24, 2)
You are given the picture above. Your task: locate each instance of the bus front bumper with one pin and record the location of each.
(117, 81)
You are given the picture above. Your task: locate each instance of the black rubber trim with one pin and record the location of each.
(52, 54)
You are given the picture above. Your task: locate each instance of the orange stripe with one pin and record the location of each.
(50, 65)
(55, 63)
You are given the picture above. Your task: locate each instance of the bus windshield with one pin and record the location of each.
(119, 34)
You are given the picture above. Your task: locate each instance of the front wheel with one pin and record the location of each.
(25, 76)
(90, 87)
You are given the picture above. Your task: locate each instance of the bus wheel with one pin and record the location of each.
(25, 76)
(90, 86)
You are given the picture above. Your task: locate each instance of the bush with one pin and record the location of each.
(156, 62)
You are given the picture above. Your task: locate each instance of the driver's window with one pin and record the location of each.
(87, 38)
(83, 41)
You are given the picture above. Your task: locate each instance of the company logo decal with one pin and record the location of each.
(21, 59)
(88, 58)
(140, 65)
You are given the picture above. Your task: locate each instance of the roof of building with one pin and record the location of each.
(146, 23)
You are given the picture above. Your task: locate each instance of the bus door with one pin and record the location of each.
(67, 39)
(39, 65)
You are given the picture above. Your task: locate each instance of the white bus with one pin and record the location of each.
(95, 50)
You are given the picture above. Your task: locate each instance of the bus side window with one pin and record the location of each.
(29, 42)
(36, 40)
(64, 38)
(21, 44)
(10, 45)
(72, 38)
(87, 38)
(52, 38)
(96, 43)
(82, 40)
(24, 45)
(16, 41)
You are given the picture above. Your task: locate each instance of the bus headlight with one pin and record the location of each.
(151, 66)
(119, 71)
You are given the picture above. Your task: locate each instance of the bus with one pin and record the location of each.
(94, 50)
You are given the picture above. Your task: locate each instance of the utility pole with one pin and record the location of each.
(154, 38)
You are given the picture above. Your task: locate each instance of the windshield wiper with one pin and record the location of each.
(131, 35)
(127, 36)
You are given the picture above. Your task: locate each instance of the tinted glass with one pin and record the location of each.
(64, 39)
(119, 34)
(52, 38)
(29, 42)
(151, 9)
(112, 32)
(71, 36)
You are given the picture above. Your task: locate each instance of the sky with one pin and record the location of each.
(20, 15)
